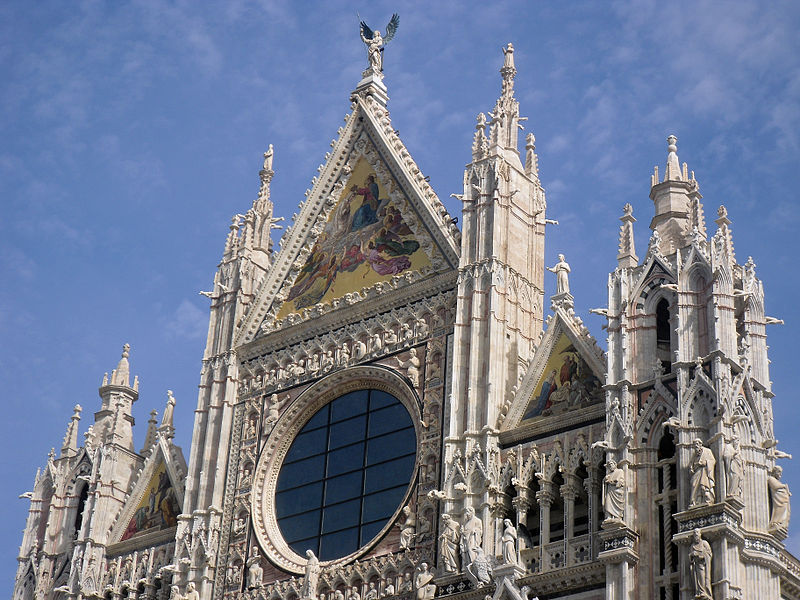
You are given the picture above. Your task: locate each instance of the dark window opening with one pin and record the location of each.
(81, 506)
(663, 335)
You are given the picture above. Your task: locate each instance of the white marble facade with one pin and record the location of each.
(645, 471)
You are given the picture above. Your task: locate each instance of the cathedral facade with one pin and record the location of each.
(389, 408)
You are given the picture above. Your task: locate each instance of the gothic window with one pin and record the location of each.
(663, 335)
(84, 495)
(557, 511)
(532, 517)
(580, 510)
(345, 474)
(666, 506)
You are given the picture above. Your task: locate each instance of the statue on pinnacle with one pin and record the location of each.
(375, 44)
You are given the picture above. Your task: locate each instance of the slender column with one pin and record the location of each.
(545, 497)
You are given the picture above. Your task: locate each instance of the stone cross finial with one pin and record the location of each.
(673, 170)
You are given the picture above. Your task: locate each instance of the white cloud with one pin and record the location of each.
(187, 321)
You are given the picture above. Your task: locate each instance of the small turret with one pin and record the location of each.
(150, 436)
(677, 203)
(113, 423)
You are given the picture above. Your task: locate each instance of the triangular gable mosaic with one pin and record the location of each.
(366, 240)
(567, 383)
(158, 509)
(349, 241)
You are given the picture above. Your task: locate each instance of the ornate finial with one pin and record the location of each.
(121, 375)
(673, 171)
(531, 160)
(508, 70)
(375, 44)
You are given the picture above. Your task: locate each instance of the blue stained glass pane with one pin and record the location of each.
(345, 459)
(389, 419)
(318, 420)
(382, 504)
(300, 526)
(347, 432)
(340, 516)
(307, 444)
(301, 546)
(379, 399)
(349, 405)
(301, 472)
(389, 474)
(370, 530)
(298, 499)
(341, 543)
(388, 446)
(343, 487)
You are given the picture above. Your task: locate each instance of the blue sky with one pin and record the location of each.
(133, 131)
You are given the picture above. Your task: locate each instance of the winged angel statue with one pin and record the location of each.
(375, 43)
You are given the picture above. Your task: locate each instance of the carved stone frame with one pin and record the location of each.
(280, 440)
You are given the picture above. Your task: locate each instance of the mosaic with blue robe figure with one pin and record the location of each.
(367, 213)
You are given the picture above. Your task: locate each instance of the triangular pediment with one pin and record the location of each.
(370, 221)
(566, 374)
(156, 498)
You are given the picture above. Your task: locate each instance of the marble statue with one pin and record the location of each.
(354, 595)
(700, 565)
(509, 542)
(614, 492)
(372, 593)
(169, 411)
(176, 593)
(407, 584)
(406, 333)
(734, 467)
(273, 407)
(561, 269)
(376, 342)
(421, 328)
(448, 544)
(389, 337)
(426, 590)
(268, 155)
(375, 43)
(702, 474)
(255, 572)
(780, 494)
(191, 592)
(388, 590)
(412, 366)
(338, 595)
(471, 536)
(311, 576)
(407, 528)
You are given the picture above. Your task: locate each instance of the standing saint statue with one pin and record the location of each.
(311, 576)
(375, 43)
(734, 467)
(509, 543)
(702, 472)
(448, 544)
(561, 269)
(780, 494)
(700, 565)
(255, 572)
(471, 536)
(614, 493)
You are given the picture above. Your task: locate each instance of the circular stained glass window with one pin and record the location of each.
(345, 474)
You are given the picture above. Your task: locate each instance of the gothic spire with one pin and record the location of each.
(626, 257)
(70, 446)
(505, 116)
(150, 436)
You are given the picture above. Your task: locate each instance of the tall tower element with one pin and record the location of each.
(500, 289)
